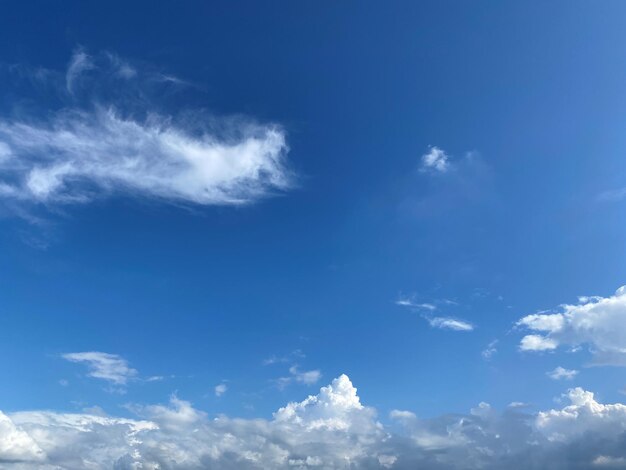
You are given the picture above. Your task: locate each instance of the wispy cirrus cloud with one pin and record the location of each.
(109, 367)
(410, 302)
(448, 323)
(126, 143)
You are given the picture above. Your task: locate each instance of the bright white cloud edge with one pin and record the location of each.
(596, 322)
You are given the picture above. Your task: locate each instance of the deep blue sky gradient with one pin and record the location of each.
(537, 91)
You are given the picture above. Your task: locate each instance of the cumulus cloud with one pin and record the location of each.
(584, 416)
(560, 373)
(109, 144)
(596, 322)
(109, 367)
(15, 444)
(436, 160)
(332, 429)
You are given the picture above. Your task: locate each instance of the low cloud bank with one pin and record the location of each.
(332, 429)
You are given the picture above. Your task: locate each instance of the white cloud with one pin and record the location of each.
(411, 303)
(537, 343)
(561, 373)
(584, 416)
(79, 63)
(612, 195)
(490, 350)
(293, 355)
(127, 145)
(109, 367)
(221, 389)
(15, 444)
(332, 429)
(78, 156)
(435, 160)
(446, 323)
(597, 322)
(308, 377)
(604, 461)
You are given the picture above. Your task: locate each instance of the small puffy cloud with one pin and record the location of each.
(220, 389)
(109, 367)
(436, 160)
(561, 373)
(446, 323)
(596, 322)
(411, 303)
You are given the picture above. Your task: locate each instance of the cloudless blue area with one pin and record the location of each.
(535, 90)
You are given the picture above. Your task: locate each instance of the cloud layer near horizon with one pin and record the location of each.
(332, 429)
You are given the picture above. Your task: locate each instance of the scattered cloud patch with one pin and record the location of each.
(125, 145)
(561, 373)
(490, 350)
(436, 160)
(109, 367)
(595, 322)
(447, 323)
(220, 389)
(80, 63)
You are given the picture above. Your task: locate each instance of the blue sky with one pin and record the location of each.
(261, 197)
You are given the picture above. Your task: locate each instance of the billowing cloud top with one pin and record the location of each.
(329, 430)
(102, 144)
